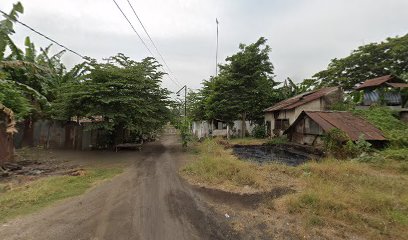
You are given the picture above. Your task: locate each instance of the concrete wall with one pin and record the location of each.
(203, 129)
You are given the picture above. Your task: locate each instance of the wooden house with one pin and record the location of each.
(281, 115)
(310, 126)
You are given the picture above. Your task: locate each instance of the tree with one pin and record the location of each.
(36, 77)
(125, 93)
(368, 61)
(290, 88)
(7, 29)
(244, 86)
(12, 97)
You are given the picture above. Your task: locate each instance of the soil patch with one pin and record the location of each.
(273, 153)
(33, 168)
(207, 222)
(247, 200)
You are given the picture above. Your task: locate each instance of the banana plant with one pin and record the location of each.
(7, 29)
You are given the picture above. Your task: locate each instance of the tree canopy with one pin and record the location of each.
(125, 93)
(366, 62)
(243, 88)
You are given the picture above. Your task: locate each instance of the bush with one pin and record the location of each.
(334, 143)
(341, 146)
(259, 131)
(185, 132)
(396, 154)
(385, 119)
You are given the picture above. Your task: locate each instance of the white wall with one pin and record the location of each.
(201, 129)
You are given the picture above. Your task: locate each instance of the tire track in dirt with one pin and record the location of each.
(148, 201)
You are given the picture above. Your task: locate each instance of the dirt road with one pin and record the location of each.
(148, 201)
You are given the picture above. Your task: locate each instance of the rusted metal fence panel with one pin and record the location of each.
(6, 135)
(57, 134)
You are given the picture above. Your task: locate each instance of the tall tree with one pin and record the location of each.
(125, 93)
(368, 61)
(244, 86)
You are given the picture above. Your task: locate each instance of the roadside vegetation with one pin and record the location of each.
(362, 194)
(123, 97)
(215, 165)
(43, 192)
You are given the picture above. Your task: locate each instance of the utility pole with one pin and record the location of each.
(216, 51)
(185, 100)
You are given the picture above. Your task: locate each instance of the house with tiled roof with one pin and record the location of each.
(281, 115)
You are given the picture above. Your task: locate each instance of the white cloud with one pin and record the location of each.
(304, 34)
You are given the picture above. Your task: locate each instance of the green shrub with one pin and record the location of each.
(396, 154)
(387, 121)
(338, 144)
(259, 131)
(185, 132)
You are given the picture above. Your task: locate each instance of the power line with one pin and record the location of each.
(130, 23)
(43, 35)
(141, 39)
(151, 40)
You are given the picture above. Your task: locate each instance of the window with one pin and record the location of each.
(281, 124)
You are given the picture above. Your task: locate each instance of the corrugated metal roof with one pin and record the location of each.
(398, 85)
(301, 99)
(380, 80)
(352, 125)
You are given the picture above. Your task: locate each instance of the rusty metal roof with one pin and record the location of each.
(398, 85)
(379, 81)
(352, 125)
(301, 99)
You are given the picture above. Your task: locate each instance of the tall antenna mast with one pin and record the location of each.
(216, 52)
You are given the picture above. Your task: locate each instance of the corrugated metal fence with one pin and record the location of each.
(6, 137)
(57, 134)
(6, 141)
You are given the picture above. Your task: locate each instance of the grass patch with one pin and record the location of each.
(385, 119)
(247, 141)
(278, 140)
(368, 200)
(216, 165)
(213, 164)
(43, 192)
(366, 196)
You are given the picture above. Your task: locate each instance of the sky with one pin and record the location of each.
(304, 34)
